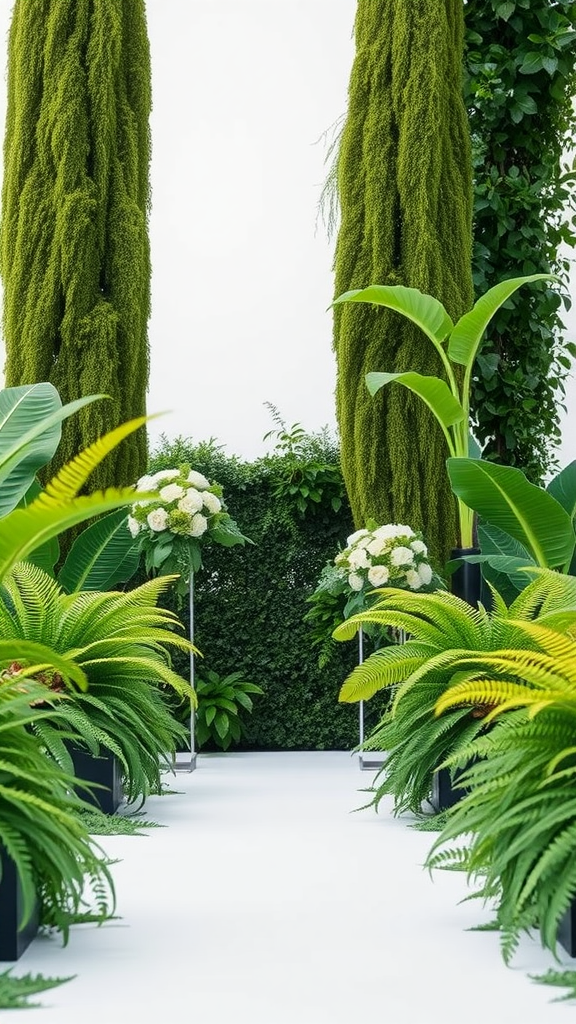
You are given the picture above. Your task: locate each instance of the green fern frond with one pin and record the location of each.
(558, 979)
(15, 992)
(72, 477)
(383, 668)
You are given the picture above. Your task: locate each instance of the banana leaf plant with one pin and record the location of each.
(521, 525)
(30, 430)
(457, 345)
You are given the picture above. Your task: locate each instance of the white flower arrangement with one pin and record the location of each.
(392, 555)
(170, 527)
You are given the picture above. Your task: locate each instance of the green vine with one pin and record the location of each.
(519, 83)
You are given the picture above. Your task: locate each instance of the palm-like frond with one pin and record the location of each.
(520, 819)
(120, 644)
(40, 828)
(454, 655)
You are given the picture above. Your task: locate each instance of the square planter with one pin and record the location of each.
(105, 770)
(13, 939)
(444, 794)
(567, 930)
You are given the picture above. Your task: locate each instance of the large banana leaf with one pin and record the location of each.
(59, 506)
(563, 488)
(432, 390)
(504, 498)
(423, 310)
(467, 333)
(104, 555)
(30, 429)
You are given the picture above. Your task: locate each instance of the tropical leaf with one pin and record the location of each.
(104, 555)
(504, 498)
(30, 419)
(423, 310)
(563, 488)
(467, 334)
(433, 391)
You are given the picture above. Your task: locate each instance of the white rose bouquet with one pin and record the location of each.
(172, 527)
(393, 555)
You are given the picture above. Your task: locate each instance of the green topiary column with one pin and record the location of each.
(405, 195)
(75, 256)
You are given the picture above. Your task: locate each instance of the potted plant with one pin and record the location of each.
(442, 629)
(121, 642)
(519, 815)
(47, 858)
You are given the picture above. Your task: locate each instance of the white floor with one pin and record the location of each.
(266, 901)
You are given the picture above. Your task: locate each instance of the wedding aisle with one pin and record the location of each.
(267, 900)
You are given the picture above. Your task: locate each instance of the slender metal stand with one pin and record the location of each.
(190, 763)
(369, 760)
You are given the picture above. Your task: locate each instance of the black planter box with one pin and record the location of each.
(13, 939)
(567, 930)
(105, 770)
(444, 794)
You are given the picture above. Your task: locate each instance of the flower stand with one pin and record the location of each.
(13, 939)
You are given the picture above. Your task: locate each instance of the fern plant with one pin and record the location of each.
(40, 827)
(516, 829)
(221, 700)
(442, 629)
(121, 643)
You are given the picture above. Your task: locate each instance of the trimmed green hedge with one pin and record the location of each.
(250, 602)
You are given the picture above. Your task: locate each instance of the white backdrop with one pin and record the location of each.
(242, 94)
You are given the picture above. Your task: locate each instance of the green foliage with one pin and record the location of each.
(40, 828)
(250, 603)
(303, 475)
(522, 525)
(521, 810)
(15, 992)
(559, 979)
(447, 639)
(121, 641)
(221, 702)
(446, 396)
(405, 195)
(99, 824)
(74, 255)
(519, 82)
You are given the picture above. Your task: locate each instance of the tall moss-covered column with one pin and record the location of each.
(405, 194)
(75, 257)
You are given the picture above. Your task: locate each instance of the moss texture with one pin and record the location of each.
(405, 193)
(75, 256)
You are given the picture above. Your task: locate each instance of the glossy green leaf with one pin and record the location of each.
(467, 334)
(503, 497)
(563, 488)
(30, 429)
(104, 555)
(423, 310)
(433, 391)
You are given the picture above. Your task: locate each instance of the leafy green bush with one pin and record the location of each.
(220, 703)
